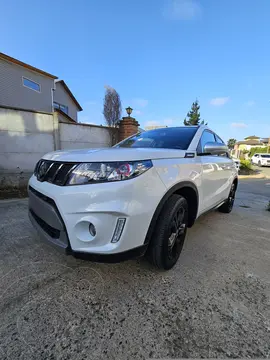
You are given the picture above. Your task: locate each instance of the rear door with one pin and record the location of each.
(216, 173)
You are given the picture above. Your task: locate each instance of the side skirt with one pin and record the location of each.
(212, 209)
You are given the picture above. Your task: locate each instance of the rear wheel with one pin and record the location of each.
(228, 205)
(170, 232)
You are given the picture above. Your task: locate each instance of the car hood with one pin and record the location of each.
(113, 154)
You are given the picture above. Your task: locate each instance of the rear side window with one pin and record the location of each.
(168, 138)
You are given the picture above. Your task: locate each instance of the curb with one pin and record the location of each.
(259, 176)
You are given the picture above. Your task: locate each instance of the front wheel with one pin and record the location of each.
(259, 164)
(228, 205)
(168, 239)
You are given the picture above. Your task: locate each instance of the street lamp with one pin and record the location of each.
(129, 110)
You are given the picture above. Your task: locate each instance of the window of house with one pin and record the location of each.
(31, 84)
(63, 108)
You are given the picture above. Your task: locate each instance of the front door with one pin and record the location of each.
(216, 174)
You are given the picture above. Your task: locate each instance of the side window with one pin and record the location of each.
(218, 139)
(206, 137)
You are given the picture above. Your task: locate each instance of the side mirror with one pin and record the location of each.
(215, 148)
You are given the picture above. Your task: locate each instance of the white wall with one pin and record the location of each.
(79, 136)
(26, 136)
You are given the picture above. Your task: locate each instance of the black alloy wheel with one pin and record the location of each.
(177, 230)
(168, 238)
(228, 205)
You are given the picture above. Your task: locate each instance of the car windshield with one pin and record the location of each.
(266, 156)
(169, 138)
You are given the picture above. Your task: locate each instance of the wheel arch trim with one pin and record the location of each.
(172, 190)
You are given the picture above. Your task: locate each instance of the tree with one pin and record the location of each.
(194, 116)
(231, 143)
(112, 110)
(112, 107)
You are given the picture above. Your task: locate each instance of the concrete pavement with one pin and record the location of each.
(213, 304)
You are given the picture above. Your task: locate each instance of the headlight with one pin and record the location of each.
(92, 173)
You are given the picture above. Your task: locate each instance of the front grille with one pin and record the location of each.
(54, 172)
(51, 231)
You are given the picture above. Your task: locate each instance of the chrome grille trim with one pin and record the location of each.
(53, 174)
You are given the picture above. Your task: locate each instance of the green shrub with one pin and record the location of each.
(245, 165)
(242, 156)
(260, 150)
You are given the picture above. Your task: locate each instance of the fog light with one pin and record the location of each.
(92, 230)
(118, 230)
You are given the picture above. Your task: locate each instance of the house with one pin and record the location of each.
(248, 143)
(26, 87)
(64, 100)
(266, 141)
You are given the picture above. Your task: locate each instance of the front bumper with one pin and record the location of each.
(46, 219)
(62, 214)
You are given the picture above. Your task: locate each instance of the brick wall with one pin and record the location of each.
(127, 126)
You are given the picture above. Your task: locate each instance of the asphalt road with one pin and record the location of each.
(215, 303)
(259, 187)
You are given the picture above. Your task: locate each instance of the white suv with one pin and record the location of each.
(261, 159)
(136, 198)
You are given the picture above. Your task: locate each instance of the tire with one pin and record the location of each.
(228, 205)
(169, 235)
(259, 164)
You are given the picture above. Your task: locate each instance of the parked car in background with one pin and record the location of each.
(261, 159)
(236, 163)
(136, 198)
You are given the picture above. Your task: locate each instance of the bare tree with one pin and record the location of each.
(112, 107)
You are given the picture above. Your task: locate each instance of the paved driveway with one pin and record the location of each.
(264, 170)
(214, 303)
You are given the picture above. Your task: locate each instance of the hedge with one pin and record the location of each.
(258, 150)
(245, 164)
